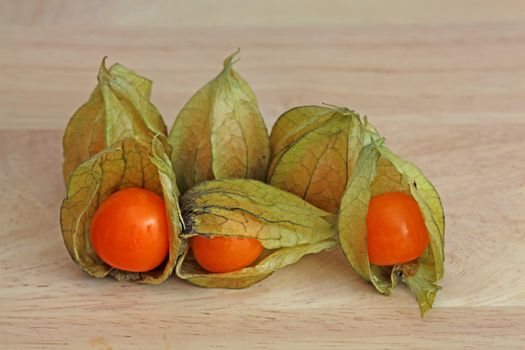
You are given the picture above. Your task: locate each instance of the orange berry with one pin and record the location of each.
(129, 231)
(396, 229)
(225, 254)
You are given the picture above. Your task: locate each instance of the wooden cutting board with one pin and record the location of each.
(443, 81)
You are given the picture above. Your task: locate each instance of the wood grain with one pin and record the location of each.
(443, 81)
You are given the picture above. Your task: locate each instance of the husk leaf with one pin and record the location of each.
(313, 152)
(128, 163)
(287, 226)
(377, 171)
(220, 133)
(118, 108)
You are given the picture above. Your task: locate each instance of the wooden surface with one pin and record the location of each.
(444, 81)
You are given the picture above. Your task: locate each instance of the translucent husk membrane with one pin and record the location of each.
(125, 164)
(377, 171)
(287, 226)
(314, 150)
(118, 108)
(220, 133)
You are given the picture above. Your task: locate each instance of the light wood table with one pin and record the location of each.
(444, 81)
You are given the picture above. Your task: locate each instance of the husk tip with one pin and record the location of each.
(229, 61)
(103, 71)
(343, 109)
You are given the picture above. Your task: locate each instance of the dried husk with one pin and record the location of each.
(220, 133)
(287, 226)
(118, 108)
(377, 171)
(314, 150)
(128, 163)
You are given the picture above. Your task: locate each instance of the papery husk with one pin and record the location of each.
(314, 150)
(287, 226)
(378, 170)
(128, 163)
(220, 133)
(118, 108)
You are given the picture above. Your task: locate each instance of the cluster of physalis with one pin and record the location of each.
(224, 204)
